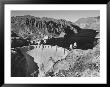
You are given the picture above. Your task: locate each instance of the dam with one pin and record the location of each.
(46, 55)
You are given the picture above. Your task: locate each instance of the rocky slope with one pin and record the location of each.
(36, 28)
(77, 63)
(89, 23)
(81, 63)
(32, 28)
(22, 64)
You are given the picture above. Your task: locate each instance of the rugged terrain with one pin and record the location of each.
(36, 28)
(77, 63)
(89, 23)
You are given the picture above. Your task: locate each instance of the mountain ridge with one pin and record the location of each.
(34, 27)
(89, 23)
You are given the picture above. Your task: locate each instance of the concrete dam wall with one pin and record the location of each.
(46, 56)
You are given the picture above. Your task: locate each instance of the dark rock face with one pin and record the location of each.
(18, 65)
(22, 65)
(19, 42)
(13, 34)
(50, 74)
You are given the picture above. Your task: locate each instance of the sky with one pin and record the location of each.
(70, 15)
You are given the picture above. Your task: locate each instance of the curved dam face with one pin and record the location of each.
(46, 55)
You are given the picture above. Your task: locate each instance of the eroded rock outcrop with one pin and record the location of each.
(35, 27)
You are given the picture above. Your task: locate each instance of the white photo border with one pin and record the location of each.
(55, 80)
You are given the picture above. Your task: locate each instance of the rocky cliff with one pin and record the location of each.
(36, 28)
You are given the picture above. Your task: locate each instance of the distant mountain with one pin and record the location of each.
(89, 23)
(36, 28)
